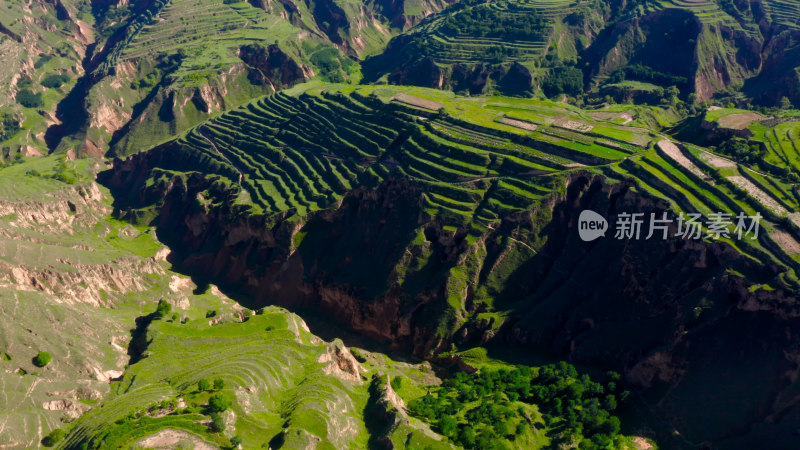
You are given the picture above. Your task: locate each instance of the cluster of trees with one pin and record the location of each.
(332, 65)
(150, 80)
(204, 386)
(217, 403)
(742, 151)
(29, 99)
(9, 125)
(55, 80)
(498, 53)
(484, 21)
(112, 17)
(478, 410)
(640, 72)
(563, 78)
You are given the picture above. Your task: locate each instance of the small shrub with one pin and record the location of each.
(54, 437)
(43, 59)
(41, 359)
(236, 441)
(397, 382)
(162, 309)
(217, 423)
(211, 313)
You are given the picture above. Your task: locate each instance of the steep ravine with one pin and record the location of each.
(685, 321)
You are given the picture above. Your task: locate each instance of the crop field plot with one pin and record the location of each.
(524, 124)
(781, 140)
(416, 101)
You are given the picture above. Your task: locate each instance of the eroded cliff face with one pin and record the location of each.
(340, 263)
(677, 317)
(684, 320)
(780, 72)
(711, 57)
(272, 66)
(127, 126)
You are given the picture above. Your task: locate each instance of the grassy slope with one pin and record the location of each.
(58, 269)
(41, 33)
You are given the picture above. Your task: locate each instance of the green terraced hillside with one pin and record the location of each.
(63, 259)
(341, 224)
(474, 46)
(163, 66)
(435, 222)
(707, 49)
(284, 386)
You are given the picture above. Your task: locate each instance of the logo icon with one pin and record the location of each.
(591, 225)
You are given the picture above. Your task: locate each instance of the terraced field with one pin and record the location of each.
(466, 47)
(63, 259)
(286, 385)
(184, 24)
(781, 142)
(272, 372)
(286, 154)
(784, 12)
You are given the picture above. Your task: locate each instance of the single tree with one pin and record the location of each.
(448, 426)
(219, 384)
(219, 402)
(53, 438)
(203, 385)
(162, 309)
(41, 359)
